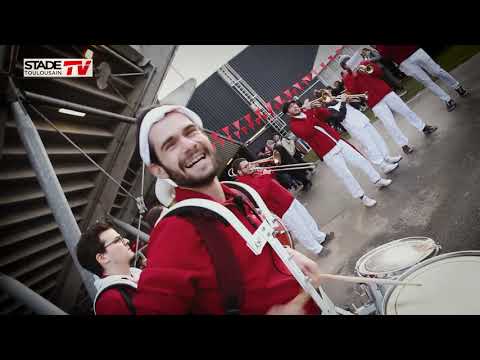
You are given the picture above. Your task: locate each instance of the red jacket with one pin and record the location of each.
(111, 302)
(275, 195)
(397, 53)
(358, 83)
(304, 129)
(180, 278)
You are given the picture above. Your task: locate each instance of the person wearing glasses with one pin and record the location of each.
(104, 252)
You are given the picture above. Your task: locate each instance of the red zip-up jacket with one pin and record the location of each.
(275, 195)
(305, 129)
(397, 53)
(358, 83)
(180, 277)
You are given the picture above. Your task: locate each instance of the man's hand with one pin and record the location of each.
(307, 104)
(266, 172)
(309, 267)
(293, 307)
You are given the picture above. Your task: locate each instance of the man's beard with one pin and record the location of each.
(181, 180)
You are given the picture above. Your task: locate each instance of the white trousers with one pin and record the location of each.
(366, 134)
(337, 158)
(303, 227)
(383, 110)
(419, 65)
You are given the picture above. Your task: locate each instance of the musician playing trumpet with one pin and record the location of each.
(359, 127)
(382, 100)
(311, 125)
(281, 202)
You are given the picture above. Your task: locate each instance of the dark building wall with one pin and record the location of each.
(218, 105)
(271, 69)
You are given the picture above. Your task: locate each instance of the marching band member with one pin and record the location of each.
(415, 62)
(359, 127)
(296, 218)
(382, 100)
(104, 252)
(311, 126)
(199, 265)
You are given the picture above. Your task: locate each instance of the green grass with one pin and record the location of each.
(449, 59)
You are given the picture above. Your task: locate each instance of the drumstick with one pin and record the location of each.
(359, 279)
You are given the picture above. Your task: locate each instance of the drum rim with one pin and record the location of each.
(364, 257)
(421, 265)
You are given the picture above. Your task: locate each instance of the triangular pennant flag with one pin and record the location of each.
(226, 130)
(288, 94)
(237, 134)
(244, 130)
(278, 102)
(236, 123)
(249, 120)
(298, 86)
(307, 79)
(260, 117)
(217, 138)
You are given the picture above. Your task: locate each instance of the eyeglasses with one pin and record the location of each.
(116, 240)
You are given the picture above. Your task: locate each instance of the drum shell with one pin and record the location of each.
(378, 292)
(419, 266)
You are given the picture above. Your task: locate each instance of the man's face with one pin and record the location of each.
(117, 250)
(294, 109)
(245, 168)
(185, 153)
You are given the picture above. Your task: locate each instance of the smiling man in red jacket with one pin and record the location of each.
(311, 125)
(183, 274)
(382, 100)
(415, 62)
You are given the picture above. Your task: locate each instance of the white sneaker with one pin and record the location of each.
(393, 159)
(368, 202)
(387, 168)
(383, 182)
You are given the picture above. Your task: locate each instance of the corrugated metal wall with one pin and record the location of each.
(218, 106)
(271, 69)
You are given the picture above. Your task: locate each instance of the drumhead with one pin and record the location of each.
(449, 287)
(396, 256)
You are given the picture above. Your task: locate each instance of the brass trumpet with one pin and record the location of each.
(368, 69)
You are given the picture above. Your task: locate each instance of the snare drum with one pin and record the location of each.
(391, 260)
(449, 287)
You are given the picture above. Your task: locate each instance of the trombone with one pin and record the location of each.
(324, 97)
(276, 159)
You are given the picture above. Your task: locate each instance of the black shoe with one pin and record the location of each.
(328, 237)
(461, 91)
(307, 186)
(407, 149)
(427, 130)
(451, 105)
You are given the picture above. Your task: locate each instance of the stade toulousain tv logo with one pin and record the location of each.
(57, 67)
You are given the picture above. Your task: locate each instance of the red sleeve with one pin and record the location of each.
(349, 83)
(321, 114)
(383, 51)
(177, 261)
(111, 302)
